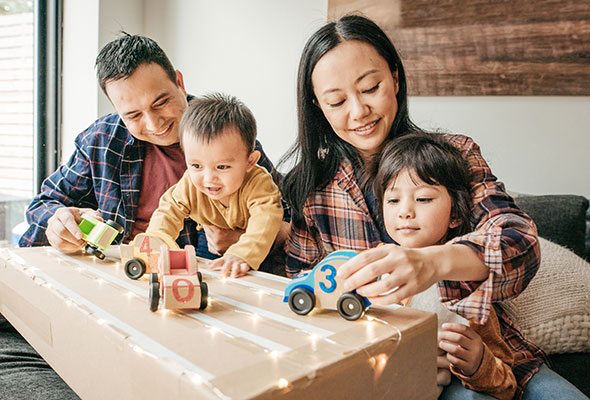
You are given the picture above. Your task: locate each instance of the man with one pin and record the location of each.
(122, 153)
(121, 166)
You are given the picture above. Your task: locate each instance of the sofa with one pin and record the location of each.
(557, 301)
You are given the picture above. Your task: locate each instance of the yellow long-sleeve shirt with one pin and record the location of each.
(255, 207)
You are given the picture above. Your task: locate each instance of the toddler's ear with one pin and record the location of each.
(253, 159)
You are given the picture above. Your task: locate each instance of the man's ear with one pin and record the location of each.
(180, 81)
(253, 159)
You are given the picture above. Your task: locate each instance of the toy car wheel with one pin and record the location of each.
(204, 296)
(134, 268)
(351, 306)
(153, 277)
(93, 251)
(154, 295)
(301, 301)
(115, 225)
(200, 277)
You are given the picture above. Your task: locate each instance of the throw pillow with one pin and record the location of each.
(554, 310)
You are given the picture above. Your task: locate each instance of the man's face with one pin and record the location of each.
(149, 103)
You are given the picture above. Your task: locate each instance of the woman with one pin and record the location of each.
(351, 101)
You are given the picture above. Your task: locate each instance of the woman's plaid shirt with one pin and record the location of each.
(505, 238)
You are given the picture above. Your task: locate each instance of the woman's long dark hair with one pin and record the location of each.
(318, 150)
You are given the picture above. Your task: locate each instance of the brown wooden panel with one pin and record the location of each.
(476, 47)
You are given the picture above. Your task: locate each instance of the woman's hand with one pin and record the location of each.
(410, 271)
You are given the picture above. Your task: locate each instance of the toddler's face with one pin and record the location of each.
(218, 168)
(416, 214)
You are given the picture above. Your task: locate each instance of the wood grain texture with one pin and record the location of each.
(479, 48)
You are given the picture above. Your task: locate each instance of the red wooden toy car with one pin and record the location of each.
(178, 281)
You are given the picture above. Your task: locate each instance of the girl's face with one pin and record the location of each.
(415, 213)
(356, 90)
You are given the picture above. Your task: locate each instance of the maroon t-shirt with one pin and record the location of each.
(163, 166)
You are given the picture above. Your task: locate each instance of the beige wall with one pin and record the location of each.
(251, 49)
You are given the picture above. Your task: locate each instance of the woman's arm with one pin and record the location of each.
(494, 262)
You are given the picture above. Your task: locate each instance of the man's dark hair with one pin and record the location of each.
(206, 117)
(120, 58)
(432, 159)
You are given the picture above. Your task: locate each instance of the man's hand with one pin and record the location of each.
(62, 228)
(229, 264)
(219, 240)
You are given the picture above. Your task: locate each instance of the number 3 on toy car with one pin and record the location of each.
(329, 278)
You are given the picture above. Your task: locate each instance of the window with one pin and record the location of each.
(16, 113)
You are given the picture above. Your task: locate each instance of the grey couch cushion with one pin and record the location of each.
(559, 218)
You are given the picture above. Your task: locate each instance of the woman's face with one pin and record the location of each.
(356, 91)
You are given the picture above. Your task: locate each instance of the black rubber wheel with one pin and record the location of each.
(204, 296)
(154, 295)
(153, 277)
(200, 277)
(134, 268)
(93, 251)
(115, 225)
(351, 306)
(301, 301)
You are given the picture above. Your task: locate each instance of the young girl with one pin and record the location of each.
(422, 184)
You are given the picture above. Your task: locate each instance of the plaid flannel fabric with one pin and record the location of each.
(337, 217)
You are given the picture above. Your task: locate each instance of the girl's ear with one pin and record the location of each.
(252, 159)
(454, 223)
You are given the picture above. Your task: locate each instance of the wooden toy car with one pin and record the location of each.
(98, 235)
(178, 281)
(320, 287)
(142, 253)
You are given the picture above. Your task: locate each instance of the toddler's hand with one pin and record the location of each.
(464, 347)
(230, 265)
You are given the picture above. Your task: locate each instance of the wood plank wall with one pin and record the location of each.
(486, 47)
(16, 105)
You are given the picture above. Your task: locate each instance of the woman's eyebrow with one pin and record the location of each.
(360, 78)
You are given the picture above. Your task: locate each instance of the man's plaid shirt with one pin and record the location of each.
(104, 174)
(505, 238)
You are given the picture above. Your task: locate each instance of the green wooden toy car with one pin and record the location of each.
(98, 235)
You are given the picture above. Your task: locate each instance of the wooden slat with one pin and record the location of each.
(24, 129)
(16, 162)
(491, 47)
(15, 173)
(16, 184)
(16, 119)
(14, 151)
(17, 107)
(17, 140)
(17, 85)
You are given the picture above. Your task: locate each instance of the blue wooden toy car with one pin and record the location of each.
(320, 288)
